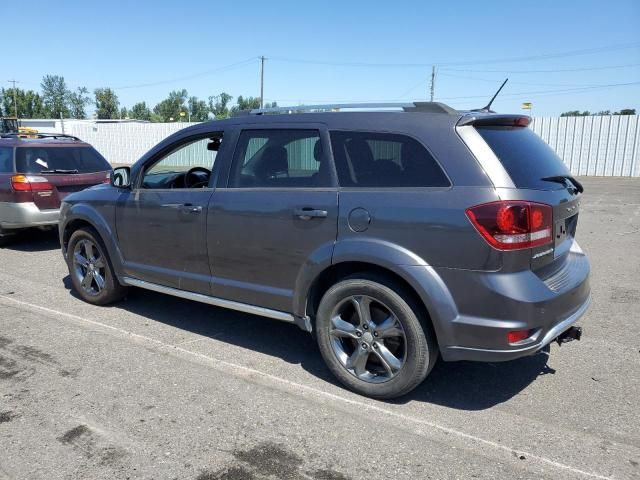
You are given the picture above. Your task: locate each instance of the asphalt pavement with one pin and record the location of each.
(163, 388)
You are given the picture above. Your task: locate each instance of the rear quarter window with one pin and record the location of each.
(36, 159)
(372, 159)
(6, 160)
(525, 156)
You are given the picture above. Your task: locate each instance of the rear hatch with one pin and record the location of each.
(539, 175)
(60, 169)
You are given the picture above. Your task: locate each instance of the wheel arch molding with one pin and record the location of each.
(370, 255)
(81, 215)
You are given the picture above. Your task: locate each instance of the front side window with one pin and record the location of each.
(60, 159)
(189, 166)
(371, 159)
(6, 160)
(279, 159)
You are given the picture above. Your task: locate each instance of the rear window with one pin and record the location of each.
(525, 156)
(39, 159)
(371, 159)
(6, 160)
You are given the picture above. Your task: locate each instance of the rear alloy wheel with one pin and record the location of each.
(373, 339)
(90, 269)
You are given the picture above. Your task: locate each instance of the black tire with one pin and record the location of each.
(109, 289)
(420, 350)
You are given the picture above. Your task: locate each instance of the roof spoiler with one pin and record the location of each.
(495, 120)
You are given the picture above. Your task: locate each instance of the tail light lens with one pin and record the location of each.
(518, 335)
(513, 224)
(30, 183)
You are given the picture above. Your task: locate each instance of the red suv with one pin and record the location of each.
(37, 171)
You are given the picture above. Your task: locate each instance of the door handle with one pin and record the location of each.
(307, 213)
(190, 208)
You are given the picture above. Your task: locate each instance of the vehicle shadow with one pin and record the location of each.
(458, 385)
(34, 240)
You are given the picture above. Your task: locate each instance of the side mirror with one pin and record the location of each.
(121, 177)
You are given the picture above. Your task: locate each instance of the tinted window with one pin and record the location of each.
(279, 159)
(525, 156)
(367, 159)
(38, 159)
(6, 160)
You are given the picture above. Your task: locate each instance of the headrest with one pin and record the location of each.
(273, 161)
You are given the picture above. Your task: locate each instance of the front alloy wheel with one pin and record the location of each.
(89, 267)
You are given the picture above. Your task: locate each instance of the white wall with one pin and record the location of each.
(596, 145)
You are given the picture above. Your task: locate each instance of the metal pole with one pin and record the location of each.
(62, 123)
(262, 81)
(433, 81)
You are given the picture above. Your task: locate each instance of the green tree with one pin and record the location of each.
(106, 103)
(170, 107)
(626, 111)
(29, 103)
(124, 113)
(575, 113)
(248, 103)
(219, 105)
(54, 96)
(77, 101)
(198, 110)
(140, 111)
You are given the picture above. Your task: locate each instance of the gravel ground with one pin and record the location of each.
(159, 387)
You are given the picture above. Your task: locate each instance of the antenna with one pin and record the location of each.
(488, 107)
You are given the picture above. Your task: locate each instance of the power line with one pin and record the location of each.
(570, 53)
(494, 80)
(537, 93)
(550, 92)
(556, 70)
(189, 77)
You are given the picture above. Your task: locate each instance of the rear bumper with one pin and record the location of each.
(488, 355)
(489, 305)
(25, 215)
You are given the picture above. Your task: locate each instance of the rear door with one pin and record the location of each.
(67, 168)
(279, 207)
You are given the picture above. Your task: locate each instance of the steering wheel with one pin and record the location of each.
(192, 180)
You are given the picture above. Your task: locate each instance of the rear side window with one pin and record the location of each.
(39, 159)
(370, 159)
(279, 159)
(6, 160)
(525, 156)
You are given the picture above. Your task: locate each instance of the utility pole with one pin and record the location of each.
(15, 98)
(262, 81)
(433, 81)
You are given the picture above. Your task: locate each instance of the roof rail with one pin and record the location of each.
(429, 107)
(38, 135)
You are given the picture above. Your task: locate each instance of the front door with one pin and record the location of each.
(280, 206)
(161, 221)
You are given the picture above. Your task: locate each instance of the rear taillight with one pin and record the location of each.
(30, 183)
(518, 335)
(513, 224)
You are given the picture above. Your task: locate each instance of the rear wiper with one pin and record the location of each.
(57, 170)
(563, 180)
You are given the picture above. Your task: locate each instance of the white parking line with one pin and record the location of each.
(305, 388)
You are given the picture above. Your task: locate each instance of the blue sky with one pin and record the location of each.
(335, 50)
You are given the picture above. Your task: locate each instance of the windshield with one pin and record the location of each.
(66, 159)
(525, 156)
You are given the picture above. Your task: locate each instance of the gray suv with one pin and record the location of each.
(395, 237)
